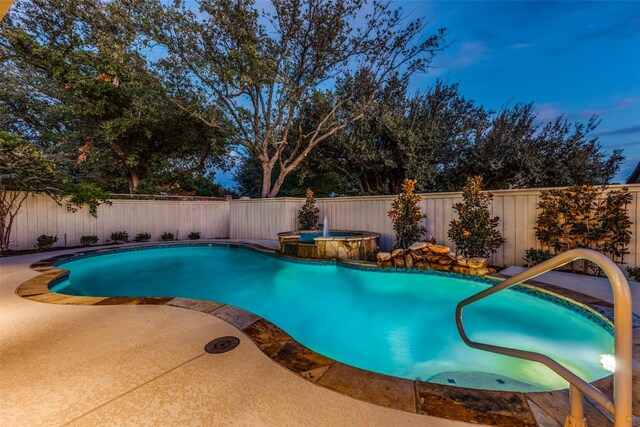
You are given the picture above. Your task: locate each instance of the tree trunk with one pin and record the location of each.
(134, 180)
(266, 180)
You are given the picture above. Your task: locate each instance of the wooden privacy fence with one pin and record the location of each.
(517, 209)
(41, 215)
(264, 218)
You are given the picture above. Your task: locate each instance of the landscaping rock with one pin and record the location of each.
(463, 262)
(396, 252)
(385, 264)
(398, 262)
(417, 246)
(417, 256)
(460, 270)
(439, 249)
(408, 261)
(383, 256)
(477, 262)
(421, 265)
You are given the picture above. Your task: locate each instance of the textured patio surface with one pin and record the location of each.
(121, 365)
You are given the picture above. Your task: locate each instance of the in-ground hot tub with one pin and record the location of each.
(360, 245)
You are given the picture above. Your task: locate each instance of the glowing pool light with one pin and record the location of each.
(608, 362)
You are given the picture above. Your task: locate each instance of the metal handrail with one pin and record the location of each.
(621, 405)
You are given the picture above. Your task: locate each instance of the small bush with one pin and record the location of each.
(142, 237)
(533, 256)
(45, 242)
(309, 215)
(120, 236)
(406, 216)
(634, 273)
(88, 240)
(475, 232)
(194, 235)
(167, 236)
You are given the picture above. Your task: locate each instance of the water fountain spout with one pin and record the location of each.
(325, 227)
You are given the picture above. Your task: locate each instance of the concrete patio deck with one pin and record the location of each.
(134, 365)
(63, 364)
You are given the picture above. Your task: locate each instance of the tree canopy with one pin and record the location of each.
(441, 138)
(259, 70)
(75, 78)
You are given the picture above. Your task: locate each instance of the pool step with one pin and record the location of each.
(482, 380)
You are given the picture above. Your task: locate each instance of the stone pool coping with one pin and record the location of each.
(457, 403)
(350, 235)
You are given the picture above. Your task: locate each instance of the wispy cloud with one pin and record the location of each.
(547, 112)
(468, 54)
(620, 131)
(627, 27)
(522, 45)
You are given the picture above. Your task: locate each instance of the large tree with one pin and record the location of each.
(259, 69)
(74, 76)
(518, 151)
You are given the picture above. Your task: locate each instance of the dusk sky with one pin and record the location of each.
(572, 58)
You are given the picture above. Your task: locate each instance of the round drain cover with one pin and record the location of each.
(221, 345)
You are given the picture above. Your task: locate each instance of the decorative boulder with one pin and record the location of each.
(477, 262)
(445, 261)
(463, 262)
(383, 256)
(460, 270)
(417, 246)
(385, 264)
(417, 255)
(439, 249)
(396, 252)
(398, 261)
(421, 265)
(408, 261)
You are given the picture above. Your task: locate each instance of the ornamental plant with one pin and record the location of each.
(142, 237)
(45, 242)
(309, 214)
(194, 235)
(406, 216)
(120, 237)
(167, 236)
(88, 240)
(585, 216)
(475, 231)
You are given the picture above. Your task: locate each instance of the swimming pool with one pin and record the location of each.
(397, 323)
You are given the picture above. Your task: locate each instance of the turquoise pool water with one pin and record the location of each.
(394, 323)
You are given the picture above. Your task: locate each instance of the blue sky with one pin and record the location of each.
(568, 57)
(572, 58)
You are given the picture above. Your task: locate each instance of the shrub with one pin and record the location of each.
(309, 214)
(167, 236)
(533, 256)
(406, 216)
(585, 216)
(634, 273)
(474, 232)
(120, 236)
(142, 237)
(194, 235)
(45, 242)
(88, 240)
